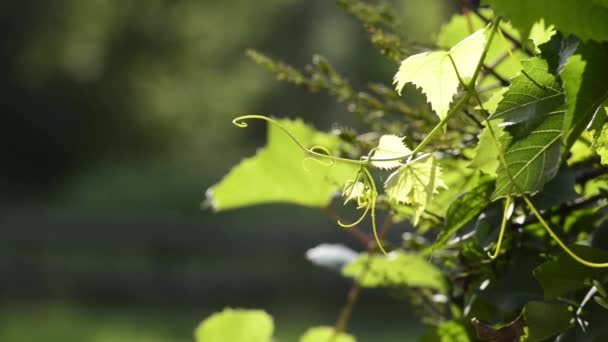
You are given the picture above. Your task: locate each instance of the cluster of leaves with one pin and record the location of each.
(506, 193)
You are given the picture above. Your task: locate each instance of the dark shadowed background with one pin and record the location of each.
(116, 117)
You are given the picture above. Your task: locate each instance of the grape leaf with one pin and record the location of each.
(585, 19)
(450, 331)
(389, 146)
(458, 28)
(531, 112)
(395, 269)
(600, 143)
(584, 77)
(563, 275)
(278, 173)
(464, 209)
(434, 73)
(415, 184)
(325, 333)
(236, 325)
(485, 158)
(546, 319)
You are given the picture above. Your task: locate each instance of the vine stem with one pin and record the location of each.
(240, 122)
(560, 243)
(470, 90)
(531, 205)
(355, 290)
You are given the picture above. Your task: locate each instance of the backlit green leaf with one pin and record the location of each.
(450, 331)
(531, 112)
(280, 173)
(486, 151)
(390, 146)
(584, 77)
(434, 73)
(585, 19)
(395, 269)
(415, 184)
(236, 325)
(325, 333)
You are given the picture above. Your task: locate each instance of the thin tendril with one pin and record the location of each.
(373, 207)
(350, 225)
(240, 122)
(503, 225)
(559, 242)
(542, 221)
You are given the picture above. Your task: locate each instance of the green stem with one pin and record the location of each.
(240, 122)
(373, 207)
(470, 90)
(559, 242)
(502, 229)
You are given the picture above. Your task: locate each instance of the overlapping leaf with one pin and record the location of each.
(278, 173)
(532, 114)
(395, 269)
(415, 184)
(434, 73)
(464, 209)
(584, 77)
(586, 19)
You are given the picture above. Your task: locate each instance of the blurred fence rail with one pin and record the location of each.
(165, 259)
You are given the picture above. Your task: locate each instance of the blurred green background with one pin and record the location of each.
(117, 118)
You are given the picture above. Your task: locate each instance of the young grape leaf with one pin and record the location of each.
(325, 333)
(415, 184)
(585, 19)
(236, 325)
(389, 146)
(459, 27)
(584, 77)
(395, 269)
(356, 191)
(434, 73)
(278, 173)
(531, 112)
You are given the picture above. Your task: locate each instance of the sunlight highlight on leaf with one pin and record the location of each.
(415, 184)
(434, 73)
(389, 146)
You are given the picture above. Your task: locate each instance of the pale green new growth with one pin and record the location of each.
(355, 190)
(415, 184)
(236, 325)
(434, 72)
(325, 333)
(389, 146)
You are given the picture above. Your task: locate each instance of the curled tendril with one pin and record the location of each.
(370, 179)
(503, 225)
(361, 218)
(541, 220)
(311, 159)
(315, 151)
